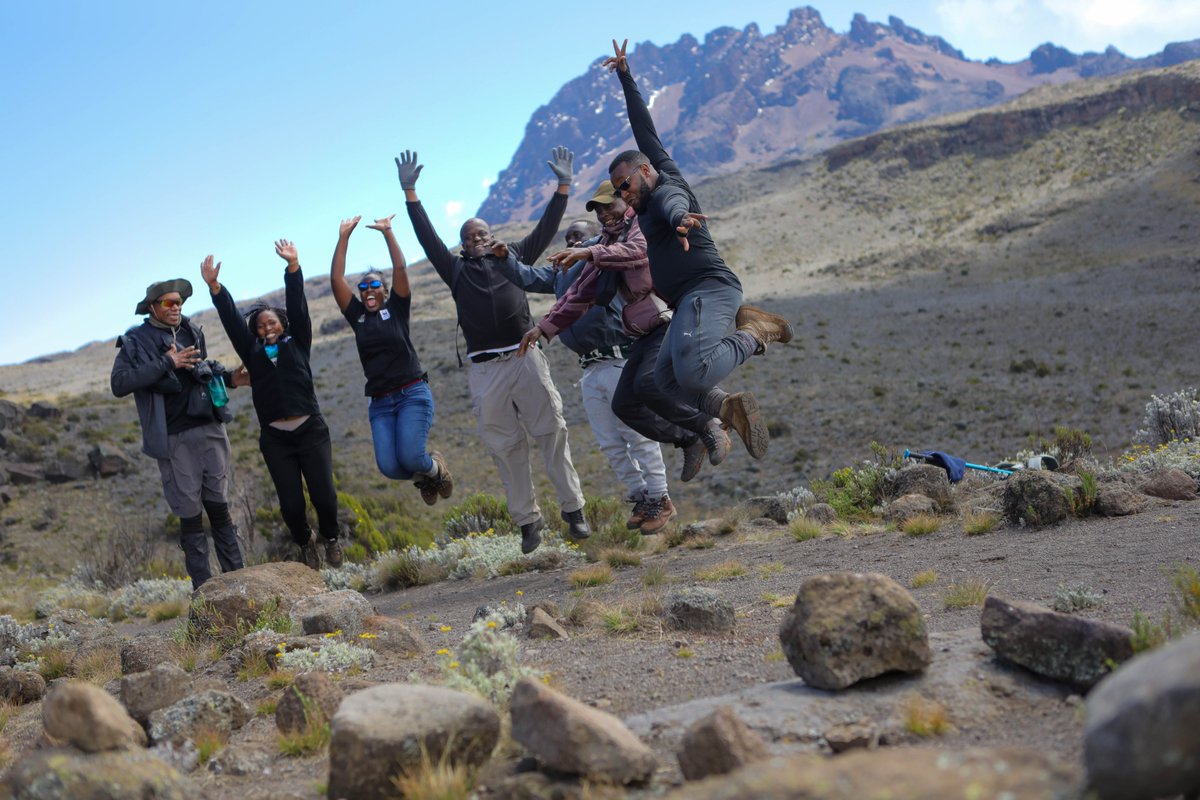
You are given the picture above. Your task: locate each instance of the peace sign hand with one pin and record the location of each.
(617, 60)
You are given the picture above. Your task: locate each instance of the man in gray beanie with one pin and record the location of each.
(180, 400)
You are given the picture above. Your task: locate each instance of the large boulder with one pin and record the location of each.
(89, 718)
(717, 744)
(1036, 498)
(159, 687)
(312, 699)
(900, 774)
(328, 612)
(696, 608)
(1142, 735)
(568, 736)
(845, 627)
(209, 711)
(1062, 647)
(20, 686)
(1116, 499)
(1170, 484)
(65, 774)
(244, 594)
(385, 731)
(907, 506)
(822, 514)
(927, 480)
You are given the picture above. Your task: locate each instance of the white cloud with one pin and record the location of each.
(1110, 19)
(486, 183)
(454, 211)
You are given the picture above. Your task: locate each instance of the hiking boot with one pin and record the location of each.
(577, 527)
(638, 515)
(740, 411)
(716, 441)
(531, 535)
(429, 489)
(444, 483)
(693, 459)
(764, 326)
(333, 552)
(309, 554)
(659, 511)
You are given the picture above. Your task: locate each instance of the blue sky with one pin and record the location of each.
(138, 137)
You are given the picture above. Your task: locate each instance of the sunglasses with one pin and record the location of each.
(362, 287)
(624, 185)
(170, 303)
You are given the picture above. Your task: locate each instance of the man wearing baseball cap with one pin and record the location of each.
(162, 364)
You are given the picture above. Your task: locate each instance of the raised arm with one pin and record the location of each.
(337, 271)
(640, 121)
(400, 285)
(539, 280)
(299, 321)
(529, 248)
(231, 319)
(435, 250)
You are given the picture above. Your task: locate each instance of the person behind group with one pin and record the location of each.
(162, 363)
(513, 398)
(711, 333)
(274, 345)
(401, 407)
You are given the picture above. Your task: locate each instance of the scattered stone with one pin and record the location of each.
(244, 594)
(925, 479)
(545, 560)
(143, 653)
(268, 643)
(549, 606)
(109, 461)
(65, 470)
(383, 731)
(568, 736)
(541, 625)
(42, 410)
(1035, 497)
(696, 608)
(90, 718)
(21, 686)
(769, 506)
(24, 474)
(159, 687)
(909, 505)
(1170, 484)
(1118, 500)
(11, 415)
(845, 627)
(312, 698)
(328, 612)
(124, 775)
(392, 636)
(1062, 647)
(717, 744)
(184, 756)
(822, 514)
(923, 773)
(852, 736)
(210, 710)
(1142, 735)
(695, 529)
(239, 761)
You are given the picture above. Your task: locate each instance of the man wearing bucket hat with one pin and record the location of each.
(180, 400)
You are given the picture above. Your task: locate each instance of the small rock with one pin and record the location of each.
(143, 653)
(239, 761)
(568, 736)
(717, 744)
(144, 692)
(184, 756)
(845, 627)
(549, 606)
(852, 736)
(65, 470)
(925, 479)
(909, 505)
(392, 636)
(44, 410)
(311, 699)
(1037, 498)
(89, 718)
(24, 474)
(822, 514)
(11, 415)
(210, 710)
(21, 686)
(541, 625)
(1170, 484)
(770, 506)
(696, 608)
(120, 775)
(1062, 647)
(1118, 500)
(109, 461)
(328, 612)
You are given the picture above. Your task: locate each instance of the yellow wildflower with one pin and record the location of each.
(443, 652)
(446, 629)
(491, 623)
(520, 593)
(367, 636)
(453, 665)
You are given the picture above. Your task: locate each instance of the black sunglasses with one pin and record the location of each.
(624, 186)
(362, 287)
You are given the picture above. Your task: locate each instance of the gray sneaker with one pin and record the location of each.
(693, 459)
(531, 535)
(716, 441)
(333, 552)
(577, 527)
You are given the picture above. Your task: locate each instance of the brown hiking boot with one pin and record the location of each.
(429, 489)
(659, 511)
(716, 441)
(693, 460)
(638, 515)
(740, 411)
(333, 552)
(444, 483)
(309, 554)
(764, 326)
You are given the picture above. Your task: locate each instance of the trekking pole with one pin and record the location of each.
(968, 465)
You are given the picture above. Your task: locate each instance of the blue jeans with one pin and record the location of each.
(701, 346)
(399, 427)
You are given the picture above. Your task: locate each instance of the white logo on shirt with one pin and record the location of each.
(385, 314)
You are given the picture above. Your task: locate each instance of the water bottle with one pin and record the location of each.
(216, 391)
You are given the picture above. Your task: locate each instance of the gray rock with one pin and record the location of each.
(42, 410)
(909, 505)
(24, 474)
(927, 480)
(717, 744)
(382, 731)
(239, 761)
(541, 625)
(20, 686)
(852, 736)
(568, 736)
(311, 699)
(1062, 647)
(159, 687)
(695, 608)
(11, 415)
(184, 756)
(89, 718)
(244, 594)
(769, 506)
(144, 652)
(66, 774)
(1142, 735)
(1118, 500)
(1037, 498)
(821, 513)
(109, 461)
(328, 612)
(392, 636)
(845, 627)
(1170, 484)
(210, 710)
(65, 470)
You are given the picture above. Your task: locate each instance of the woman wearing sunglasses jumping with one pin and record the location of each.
(401, 407)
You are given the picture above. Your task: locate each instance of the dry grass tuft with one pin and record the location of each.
(440, 780)
(254, 665)
(98, 667)
(655, 576)
(802, 530)
(979, 523)
(170, 609)
(923, 578)
(924, 717)
(720, 572)
(966, 593)
(593, 575)
(701, 542)
(778, 600)
(920, 524)
(280, 679)
(617, 557)
(209, 742)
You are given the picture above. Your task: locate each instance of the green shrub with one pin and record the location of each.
(855, 491)
(382, 523)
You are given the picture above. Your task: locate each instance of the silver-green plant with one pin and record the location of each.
(148, 592)
(331, 657)
(1069, 599)
(488, 662)
(1171, 418)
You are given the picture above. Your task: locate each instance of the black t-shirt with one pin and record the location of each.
(384, 347)
(178, 419)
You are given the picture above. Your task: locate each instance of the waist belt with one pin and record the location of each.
(480, 358)
(603, 354)
(398, 388)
